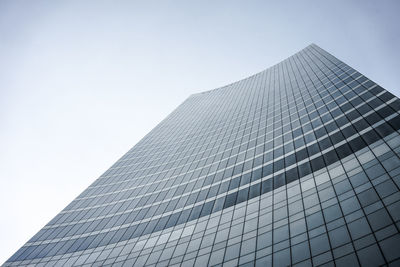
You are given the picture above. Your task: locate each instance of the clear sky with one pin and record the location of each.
(82, 81)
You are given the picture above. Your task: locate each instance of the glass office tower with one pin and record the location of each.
(296, 165)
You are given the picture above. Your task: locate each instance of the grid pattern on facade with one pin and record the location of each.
(298, 164)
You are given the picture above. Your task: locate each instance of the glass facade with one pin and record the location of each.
(296, 165)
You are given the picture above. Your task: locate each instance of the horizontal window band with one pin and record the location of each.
(106, 238)
(214, 190)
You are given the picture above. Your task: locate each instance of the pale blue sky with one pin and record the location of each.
(82, 81)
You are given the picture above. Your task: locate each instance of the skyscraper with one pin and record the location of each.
(296, 165)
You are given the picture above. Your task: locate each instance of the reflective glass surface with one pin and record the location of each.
(296, 165)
